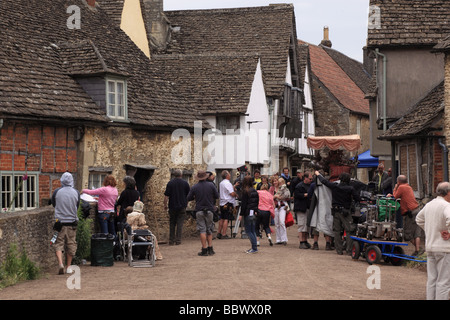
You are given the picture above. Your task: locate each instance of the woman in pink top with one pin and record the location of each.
(265, 211)
(107, 197)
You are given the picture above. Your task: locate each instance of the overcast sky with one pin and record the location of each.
(347, 20)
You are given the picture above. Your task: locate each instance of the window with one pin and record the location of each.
(292, 102)
(116, 99)
(225, 123)
(19, 191)
(96, 180)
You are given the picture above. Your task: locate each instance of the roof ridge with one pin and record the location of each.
(278, 6)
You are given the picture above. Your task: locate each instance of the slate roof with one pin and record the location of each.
(410, 22)
(40, 54)
(420, 117)
(214, 83)
(442, 46)
(264, 31)
(342, 78)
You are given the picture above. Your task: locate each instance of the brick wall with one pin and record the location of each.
(47, 150)
(31, 230)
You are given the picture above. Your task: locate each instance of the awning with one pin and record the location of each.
(366, 160)
(350, 142)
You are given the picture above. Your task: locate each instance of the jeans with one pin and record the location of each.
(106, 222)
(249, 226)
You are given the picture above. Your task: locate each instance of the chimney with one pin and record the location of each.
(157, 25)
(326, 38)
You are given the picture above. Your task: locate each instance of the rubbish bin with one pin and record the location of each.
(102, 250)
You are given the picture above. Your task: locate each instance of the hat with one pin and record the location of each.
(202, 175)
(138, 206)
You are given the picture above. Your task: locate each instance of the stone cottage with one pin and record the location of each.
(241, 67)
(77, 95)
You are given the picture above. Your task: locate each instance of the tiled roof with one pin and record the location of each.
(442, 46)
(336, 80)
(39, 53)
(410, 22)
(354, 69)
(420, 117)
(265, 31)
(214, 83)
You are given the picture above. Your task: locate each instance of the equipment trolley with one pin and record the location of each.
(374, 250)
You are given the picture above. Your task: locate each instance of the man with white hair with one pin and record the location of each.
(434, 219)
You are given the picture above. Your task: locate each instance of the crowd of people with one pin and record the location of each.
(264, 202)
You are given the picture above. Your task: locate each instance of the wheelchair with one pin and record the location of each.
(140, 248)
(137, 247)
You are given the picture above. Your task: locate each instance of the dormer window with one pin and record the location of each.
(116, 99)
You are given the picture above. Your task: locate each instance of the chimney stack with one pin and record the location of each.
(326, 38)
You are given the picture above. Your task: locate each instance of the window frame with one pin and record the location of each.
(23, 199)
(115, 116)
(97, 173)
(226, 120)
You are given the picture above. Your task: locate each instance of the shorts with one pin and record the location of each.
(226, 212)
(66, 240)
(302, 218)
(205, 223)
(410, 228)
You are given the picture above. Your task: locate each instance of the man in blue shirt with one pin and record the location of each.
(205, 195)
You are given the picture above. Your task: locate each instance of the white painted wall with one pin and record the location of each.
(309, 121)
(250, 144)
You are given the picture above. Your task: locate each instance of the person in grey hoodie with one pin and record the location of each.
(66, 200)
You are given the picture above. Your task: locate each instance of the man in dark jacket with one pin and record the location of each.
(301, 206)
(175, 195)
(343, 195)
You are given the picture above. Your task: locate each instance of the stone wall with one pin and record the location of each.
(114, 147)
(32, 231)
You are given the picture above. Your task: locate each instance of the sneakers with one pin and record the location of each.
(315, 246)
(270, 241)
(69, 270)
(210, 251)
(251, 251)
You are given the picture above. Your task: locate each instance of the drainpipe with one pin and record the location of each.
(445, 149)
(377, 52)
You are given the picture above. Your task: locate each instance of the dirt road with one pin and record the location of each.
(275, 273)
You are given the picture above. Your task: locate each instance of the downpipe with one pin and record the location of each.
(445, 149)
